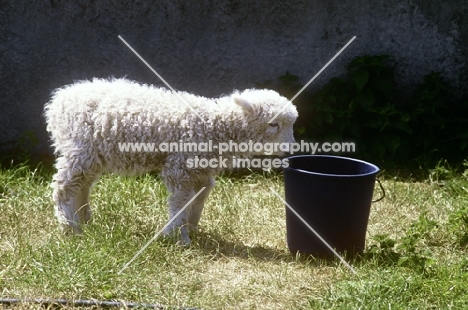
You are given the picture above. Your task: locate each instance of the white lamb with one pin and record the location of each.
(87, 121)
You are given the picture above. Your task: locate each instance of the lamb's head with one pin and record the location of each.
(270, 115)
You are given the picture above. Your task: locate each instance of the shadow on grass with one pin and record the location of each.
(218, 247)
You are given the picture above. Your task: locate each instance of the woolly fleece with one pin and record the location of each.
(88, 119)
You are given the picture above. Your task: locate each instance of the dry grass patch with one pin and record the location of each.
(239, 258)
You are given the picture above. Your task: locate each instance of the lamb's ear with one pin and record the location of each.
(245, 105)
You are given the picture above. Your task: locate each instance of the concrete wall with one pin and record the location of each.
(213, 47)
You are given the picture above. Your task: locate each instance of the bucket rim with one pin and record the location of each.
(372, 173)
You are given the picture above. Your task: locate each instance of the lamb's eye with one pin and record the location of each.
(273, 124)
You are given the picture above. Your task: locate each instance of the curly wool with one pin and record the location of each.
(88, 119)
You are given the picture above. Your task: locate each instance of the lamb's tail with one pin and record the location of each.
(61, 124)
(54, 115)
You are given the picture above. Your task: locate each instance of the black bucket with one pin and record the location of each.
(333, 195)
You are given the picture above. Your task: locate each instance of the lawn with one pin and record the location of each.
(415, 257)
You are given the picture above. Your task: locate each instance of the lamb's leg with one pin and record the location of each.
(86, 207)
(177, 200)
(196, 208)
(72, 187)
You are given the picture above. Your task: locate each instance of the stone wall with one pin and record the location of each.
(212, 47)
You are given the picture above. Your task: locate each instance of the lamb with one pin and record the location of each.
(88, 120)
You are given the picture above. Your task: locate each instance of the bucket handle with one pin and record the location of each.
(382, 189)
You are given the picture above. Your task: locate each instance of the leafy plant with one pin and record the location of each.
(361, 108)
(387, 128)
(458, 225)
(384, 250)
(407, 251)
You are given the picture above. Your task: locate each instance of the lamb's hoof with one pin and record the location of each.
(184, 236)
(176, 236)
(185, 242)
(70, 230)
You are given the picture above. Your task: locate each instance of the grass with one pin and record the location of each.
(415, 256)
